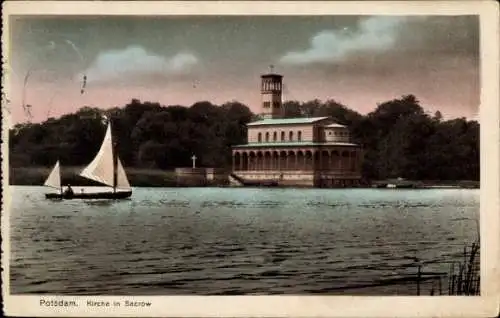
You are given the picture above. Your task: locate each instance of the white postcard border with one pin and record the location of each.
(486, 305)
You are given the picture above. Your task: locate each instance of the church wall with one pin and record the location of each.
(306, 133)
(319, 134)
(271, 105)
(302, 178)
(337, 134)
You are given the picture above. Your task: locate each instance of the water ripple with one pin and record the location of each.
(237, 241)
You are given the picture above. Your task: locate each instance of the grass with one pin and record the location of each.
(137, 177)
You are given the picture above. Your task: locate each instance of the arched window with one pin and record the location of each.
(290, 136)
(267, 136)
(260, 137)
(275, 136)
(282, 136)
(299, 135)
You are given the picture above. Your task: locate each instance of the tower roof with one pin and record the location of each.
(271, 75)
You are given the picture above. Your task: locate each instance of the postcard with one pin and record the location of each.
(250, 159)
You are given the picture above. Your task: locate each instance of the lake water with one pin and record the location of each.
(237, 240)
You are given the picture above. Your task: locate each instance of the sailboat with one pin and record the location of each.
(54, 178)
(106, 168)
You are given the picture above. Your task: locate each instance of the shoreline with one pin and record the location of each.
(156, 178)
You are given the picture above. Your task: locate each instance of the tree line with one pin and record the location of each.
(399, 138)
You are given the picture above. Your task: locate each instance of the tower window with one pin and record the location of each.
(276, 104)
(299, 136)
(290, 136)
(282, 136)
(267, 104)
(275, 136)
(259, 137)
(267, 137)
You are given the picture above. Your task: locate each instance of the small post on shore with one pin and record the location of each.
(194, 161)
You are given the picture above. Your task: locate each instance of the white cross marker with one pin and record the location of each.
(194, 161)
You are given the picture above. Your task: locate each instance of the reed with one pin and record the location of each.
(466, 280)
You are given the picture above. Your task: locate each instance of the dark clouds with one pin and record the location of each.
(360, 60)
(371, 35)
(436, 58)
(393, 39)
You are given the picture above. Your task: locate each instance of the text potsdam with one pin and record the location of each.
(93, 303)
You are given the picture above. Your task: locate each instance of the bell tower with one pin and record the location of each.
(271, 92)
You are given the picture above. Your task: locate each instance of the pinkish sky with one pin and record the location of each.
(356, 60)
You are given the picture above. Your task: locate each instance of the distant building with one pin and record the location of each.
(313, 152)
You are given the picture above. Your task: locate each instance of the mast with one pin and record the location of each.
(60, 178)
(115, 159)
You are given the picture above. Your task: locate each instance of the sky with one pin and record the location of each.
(359, 61)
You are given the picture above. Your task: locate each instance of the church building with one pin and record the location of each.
(305, 151)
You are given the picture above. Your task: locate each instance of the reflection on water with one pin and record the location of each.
(236, 241)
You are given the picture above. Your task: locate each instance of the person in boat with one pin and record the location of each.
(69, 190)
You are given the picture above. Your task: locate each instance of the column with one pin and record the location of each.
(349, 162)
(359, 161)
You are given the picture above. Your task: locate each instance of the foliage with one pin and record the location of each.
(399, 139)
(147, 135)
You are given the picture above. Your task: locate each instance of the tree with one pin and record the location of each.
(398, 138)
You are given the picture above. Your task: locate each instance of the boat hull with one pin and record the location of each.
(90, 196)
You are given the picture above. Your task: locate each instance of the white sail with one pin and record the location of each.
(54, 178)
(121, 176)
(101, 168)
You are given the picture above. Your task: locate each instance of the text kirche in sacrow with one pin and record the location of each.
(126, 303)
